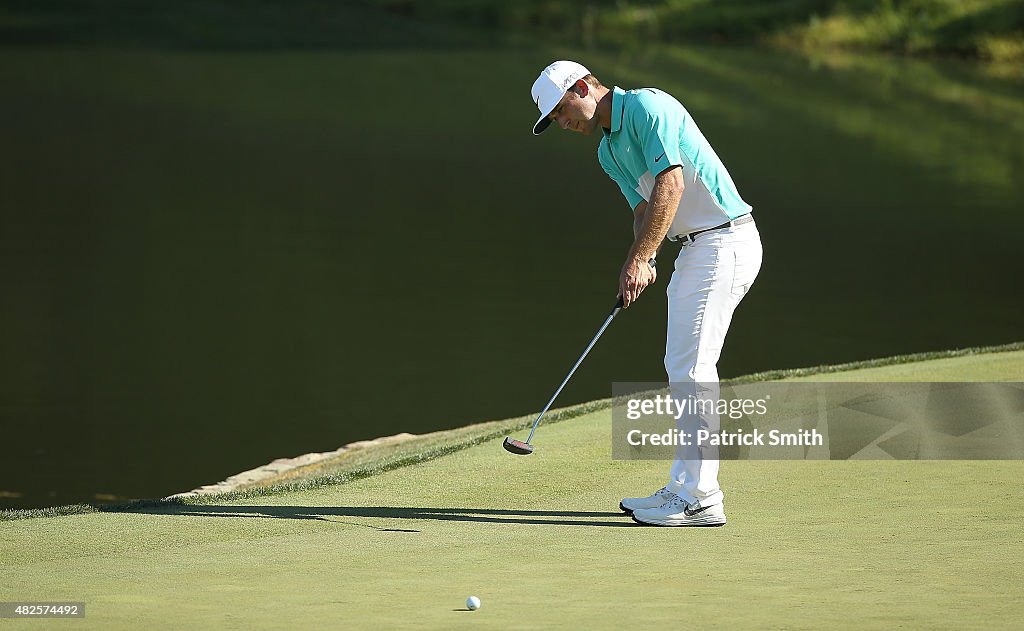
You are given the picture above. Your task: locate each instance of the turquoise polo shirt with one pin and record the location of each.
(652, 131)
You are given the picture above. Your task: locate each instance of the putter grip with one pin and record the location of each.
(618, 305)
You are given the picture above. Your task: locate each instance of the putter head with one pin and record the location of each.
(517, 447)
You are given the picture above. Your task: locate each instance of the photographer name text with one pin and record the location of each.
(706, 438)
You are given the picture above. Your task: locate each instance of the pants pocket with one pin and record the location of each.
(746, 265)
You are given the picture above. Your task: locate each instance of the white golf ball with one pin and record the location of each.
(472, 603)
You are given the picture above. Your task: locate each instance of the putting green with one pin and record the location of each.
(539, 540)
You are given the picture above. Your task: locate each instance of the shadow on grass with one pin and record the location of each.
(325, 513)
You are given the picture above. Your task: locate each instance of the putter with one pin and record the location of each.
(521, 448)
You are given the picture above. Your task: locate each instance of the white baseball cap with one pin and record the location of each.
(549, 88)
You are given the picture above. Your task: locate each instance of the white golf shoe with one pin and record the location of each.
(662, 495)
(679, 513)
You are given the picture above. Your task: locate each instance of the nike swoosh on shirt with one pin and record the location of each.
(659, 157)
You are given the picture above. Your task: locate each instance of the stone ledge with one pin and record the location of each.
(281, 465)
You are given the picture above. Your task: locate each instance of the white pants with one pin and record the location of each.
(711, 276)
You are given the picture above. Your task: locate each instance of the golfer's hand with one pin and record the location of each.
(635, 277)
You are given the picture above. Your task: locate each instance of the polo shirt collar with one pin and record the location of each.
(618, 102)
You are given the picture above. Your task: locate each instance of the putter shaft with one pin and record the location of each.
(608, 320)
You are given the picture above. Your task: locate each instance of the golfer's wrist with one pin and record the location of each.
(639, 260)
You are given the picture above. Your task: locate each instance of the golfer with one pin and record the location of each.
(678, 189)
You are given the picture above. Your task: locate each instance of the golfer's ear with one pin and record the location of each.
(582, 88)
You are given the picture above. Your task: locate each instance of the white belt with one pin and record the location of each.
(689, 236)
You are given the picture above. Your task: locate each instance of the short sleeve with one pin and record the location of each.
(609, 166)
(656, 121)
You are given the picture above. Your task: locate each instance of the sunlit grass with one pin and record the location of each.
(966, 28)
(809, 544)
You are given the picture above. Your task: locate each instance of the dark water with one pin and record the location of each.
(210, 260)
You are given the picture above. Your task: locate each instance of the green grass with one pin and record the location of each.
(809, 544)
(985, 29)
(994, 363)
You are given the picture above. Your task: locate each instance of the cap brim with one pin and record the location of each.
(541, 125)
